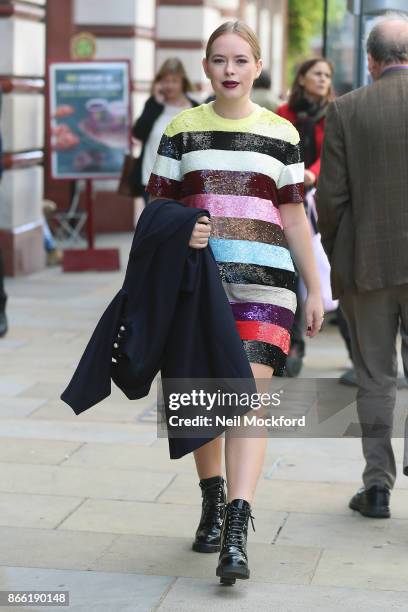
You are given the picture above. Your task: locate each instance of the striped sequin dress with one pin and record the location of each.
(241, 171)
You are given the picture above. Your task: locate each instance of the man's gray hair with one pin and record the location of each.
(389, 47)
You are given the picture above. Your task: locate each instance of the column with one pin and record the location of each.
(22, 35)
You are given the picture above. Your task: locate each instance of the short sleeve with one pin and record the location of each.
(166, 178)
(291, 187)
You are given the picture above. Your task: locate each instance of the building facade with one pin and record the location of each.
(34, 32)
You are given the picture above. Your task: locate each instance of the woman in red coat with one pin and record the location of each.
(310, 95)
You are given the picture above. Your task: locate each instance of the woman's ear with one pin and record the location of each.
(205, 66)
(259, 66)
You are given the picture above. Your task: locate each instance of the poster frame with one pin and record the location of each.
(50, 157)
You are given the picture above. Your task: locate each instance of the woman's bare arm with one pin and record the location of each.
(298, 236)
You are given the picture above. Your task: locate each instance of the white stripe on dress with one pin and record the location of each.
(167, 168)
(291, 175)
(264, 294)
(238, 161)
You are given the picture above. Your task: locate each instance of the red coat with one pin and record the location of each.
(285, 112)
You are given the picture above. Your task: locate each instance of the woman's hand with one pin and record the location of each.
(157, 93)
(310, 178)
(201, 233)
(314, 313)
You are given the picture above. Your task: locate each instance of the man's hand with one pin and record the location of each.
(201, 233)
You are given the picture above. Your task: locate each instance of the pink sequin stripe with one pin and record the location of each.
(241, 207)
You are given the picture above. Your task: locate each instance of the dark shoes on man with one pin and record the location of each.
(3, 323)
(373, 502)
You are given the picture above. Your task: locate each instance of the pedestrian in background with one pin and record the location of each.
(243, 164)
(3, 296)
(169, 97)
(363, 219)
(310, 94)
(262, 94)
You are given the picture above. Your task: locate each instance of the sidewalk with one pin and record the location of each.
(93, 504)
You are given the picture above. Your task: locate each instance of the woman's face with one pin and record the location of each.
(317, 81)
(231, 67)
(171, 86)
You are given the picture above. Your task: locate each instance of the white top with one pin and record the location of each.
(152, 143)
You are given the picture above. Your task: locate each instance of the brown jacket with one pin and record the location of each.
(362, 194)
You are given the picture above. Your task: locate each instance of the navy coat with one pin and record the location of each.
(175, 315)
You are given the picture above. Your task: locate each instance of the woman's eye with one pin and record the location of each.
(218, 60)
(242, 61)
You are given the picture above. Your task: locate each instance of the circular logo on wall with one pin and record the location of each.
(83, 46)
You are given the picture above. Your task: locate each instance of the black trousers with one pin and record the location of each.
(3, 296)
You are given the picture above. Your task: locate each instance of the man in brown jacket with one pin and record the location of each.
(362, 203)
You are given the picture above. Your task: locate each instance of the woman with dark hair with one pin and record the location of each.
(169, 97)
(311, 92)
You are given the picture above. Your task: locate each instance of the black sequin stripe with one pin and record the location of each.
(186, 142)
(253, 274)
(265, 354)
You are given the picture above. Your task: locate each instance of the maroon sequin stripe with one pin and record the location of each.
(230, 182)
(291, 194)
(163, 187)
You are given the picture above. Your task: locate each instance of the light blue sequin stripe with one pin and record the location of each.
(251, 252)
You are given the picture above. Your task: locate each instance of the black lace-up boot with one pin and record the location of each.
(233, 560)
(208, 534)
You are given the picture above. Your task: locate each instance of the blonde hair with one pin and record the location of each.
(240, 28)
(173, 65)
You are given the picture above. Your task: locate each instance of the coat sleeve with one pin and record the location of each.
(333, 194)
(143, 125)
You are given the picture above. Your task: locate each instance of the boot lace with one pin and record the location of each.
(237, 521)
(213, 504)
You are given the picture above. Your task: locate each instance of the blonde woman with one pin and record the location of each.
(169, 97)
(242, 163)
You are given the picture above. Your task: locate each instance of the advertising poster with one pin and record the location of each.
(89, 114)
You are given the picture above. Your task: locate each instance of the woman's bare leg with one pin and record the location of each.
(244, 456)
(208, 459)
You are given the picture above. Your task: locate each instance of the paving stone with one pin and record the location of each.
(311, 468)
(192, 595)
(384, 568)
(124, 412)
(45, 511)
(316, 497)
(10, 386)
(170, 520)
(71, 481)
(52, 548)
(33, 450)
(90, 591)
(324, 448)
(19, 406)
(174, 556)
(79, 430)
(351, 531)
(130, 456)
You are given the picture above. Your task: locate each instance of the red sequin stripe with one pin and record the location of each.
(265, 332)
(291, 194)
(163, 187)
